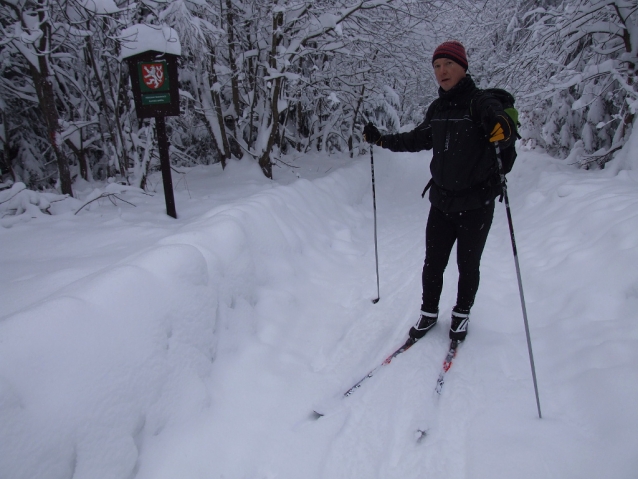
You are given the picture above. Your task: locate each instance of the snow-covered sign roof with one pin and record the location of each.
(141, 38)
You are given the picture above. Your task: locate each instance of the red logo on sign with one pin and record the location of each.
(153, 75)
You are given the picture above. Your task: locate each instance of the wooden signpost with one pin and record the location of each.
(152, 60)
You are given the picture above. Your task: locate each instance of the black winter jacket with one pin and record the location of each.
(464, 167)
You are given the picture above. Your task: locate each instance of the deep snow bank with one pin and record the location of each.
(195, 348)
(88, 374)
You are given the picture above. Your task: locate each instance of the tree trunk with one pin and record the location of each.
(265, 161)
(47, 105)
(5, 161)
(253, 67)
(81, 155)
(46, 97)
(354, 121)
(234, 81)
(217, 101)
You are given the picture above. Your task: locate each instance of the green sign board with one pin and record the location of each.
(156, 98)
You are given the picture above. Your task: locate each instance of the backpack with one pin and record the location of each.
(508, 155)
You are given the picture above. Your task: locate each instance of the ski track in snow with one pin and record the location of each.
(255, 307)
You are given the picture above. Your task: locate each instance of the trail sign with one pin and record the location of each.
(154, 83)
(151, 53)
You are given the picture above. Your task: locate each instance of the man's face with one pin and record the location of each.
(448, 73)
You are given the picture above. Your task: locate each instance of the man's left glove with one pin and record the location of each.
(497, 133)
(371, 134)
(494, 126)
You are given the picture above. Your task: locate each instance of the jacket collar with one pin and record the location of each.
(463, 87)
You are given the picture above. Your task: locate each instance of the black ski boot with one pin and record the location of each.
(458, 327)
(423, 325)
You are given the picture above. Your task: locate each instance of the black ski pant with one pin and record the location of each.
(469, 229)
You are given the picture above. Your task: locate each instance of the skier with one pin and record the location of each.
(460, 125)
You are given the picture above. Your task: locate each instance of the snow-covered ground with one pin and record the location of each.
(137, 346)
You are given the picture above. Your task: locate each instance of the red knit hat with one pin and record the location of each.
(453, 50)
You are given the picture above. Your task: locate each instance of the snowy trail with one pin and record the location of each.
(486, 424)
(197, 348)
(402, 399)
(372, 443)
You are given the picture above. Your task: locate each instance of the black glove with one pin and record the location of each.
(371, 134)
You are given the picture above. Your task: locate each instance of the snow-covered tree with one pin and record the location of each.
(259, 78)
(573, 60)
(291, 74)
(34, 37)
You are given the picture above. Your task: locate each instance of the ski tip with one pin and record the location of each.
(314, 415)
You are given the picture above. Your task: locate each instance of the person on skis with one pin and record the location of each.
(461, 126)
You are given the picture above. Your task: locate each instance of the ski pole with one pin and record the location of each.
(518, 271)
(374, 205)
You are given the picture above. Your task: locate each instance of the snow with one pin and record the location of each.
(136, 345)
(100, 6)
(141, 38)
(19, 204)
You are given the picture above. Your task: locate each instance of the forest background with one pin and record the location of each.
(263, 78)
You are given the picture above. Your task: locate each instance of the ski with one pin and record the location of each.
(407, 345)
(447, 364)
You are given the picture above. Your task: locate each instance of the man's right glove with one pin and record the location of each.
(371, 134)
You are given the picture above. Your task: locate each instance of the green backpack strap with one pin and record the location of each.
(506, 99)
(513, 114)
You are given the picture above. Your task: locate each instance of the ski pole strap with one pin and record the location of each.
(427, 187)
